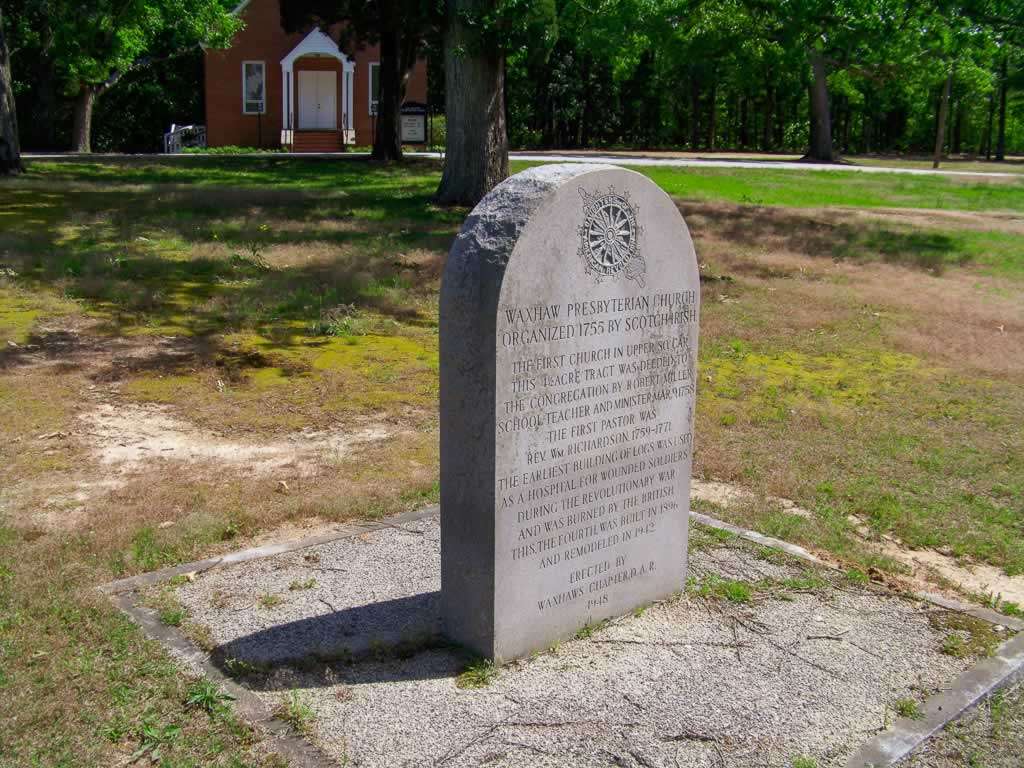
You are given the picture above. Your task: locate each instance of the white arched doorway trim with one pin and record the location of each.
(316, 43)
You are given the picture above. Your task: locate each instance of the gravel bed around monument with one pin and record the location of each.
(342, 598)
(761, 660)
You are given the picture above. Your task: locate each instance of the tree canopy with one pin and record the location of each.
(85, 48)
(865, 75)
(817, 77)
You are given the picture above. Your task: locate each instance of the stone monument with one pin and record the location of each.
(569, 313)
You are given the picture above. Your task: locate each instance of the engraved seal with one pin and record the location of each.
(609, 236)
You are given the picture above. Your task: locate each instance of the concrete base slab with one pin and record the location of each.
(797, 662)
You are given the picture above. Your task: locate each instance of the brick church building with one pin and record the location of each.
(273, 89)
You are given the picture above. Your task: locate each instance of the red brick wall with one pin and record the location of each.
(415, 90)
(262, 39)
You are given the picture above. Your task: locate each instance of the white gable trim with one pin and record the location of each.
(316, 43)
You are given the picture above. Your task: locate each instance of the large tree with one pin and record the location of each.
(95, 42)
(398, 26)
(10, 155)
(823, 76)
(1006, 19)
(476, 151)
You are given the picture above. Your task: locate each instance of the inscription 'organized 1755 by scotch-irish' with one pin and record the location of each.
(569, 322)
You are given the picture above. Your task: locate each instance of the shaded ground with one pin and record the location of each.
(275, 323)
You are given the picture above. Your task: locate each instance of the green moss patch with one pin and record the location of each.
(767, 385)
(20, 310)
(261, 384)
(966, 636)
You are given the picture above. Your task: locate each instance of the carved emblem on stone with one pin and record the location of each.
(609, 236)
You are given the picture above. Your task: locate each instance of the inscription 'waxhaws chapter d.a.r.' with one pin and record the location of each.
(568, 346)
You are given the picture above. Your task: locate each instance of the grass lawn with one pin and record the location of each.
(839, 188)
(1012, 164)
(862, 353)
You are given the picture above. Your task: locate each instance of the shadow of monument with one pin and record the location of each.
(352, 641)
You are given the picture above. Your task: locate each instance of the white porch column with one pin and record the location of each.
(287, 102)
(349, 68)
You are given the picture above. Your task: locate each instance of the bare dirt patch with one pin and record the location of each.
(972, 579)
(127, 436)
(78, 344)
(928, 569)
(727, 495)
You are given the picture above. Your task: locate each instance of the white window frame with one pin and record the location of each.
(245, 98)
(372, 103)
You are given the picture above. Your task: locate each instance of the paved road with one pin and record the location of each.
(633, 160)
(680, 162)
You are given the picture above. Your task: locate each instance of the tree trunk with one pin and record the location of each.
(477, 144)
(847, 117)
(813, 128)
(940, 128)
(744, 121)
(958, 127)
(584, 113)
(694, 112)
(865, 130)
(988, 129)
(387, 141)
(42, 132)
(713, 117)
(81, 132)
(769, 114)
(1001, 137)
(548, 138)
(821, 119)
(780, 123)
(10, 152)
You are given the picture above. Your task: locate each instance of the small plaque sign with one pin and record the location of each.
(414, 123)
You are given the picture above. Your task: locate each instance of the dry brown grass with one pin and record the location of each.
(994, 221)
(961, 319)
(847, 362)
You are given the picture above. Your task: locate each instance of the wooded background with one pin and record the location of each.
(728, 74)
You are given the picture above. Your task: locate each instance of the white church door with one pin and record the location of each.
(318, 100)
